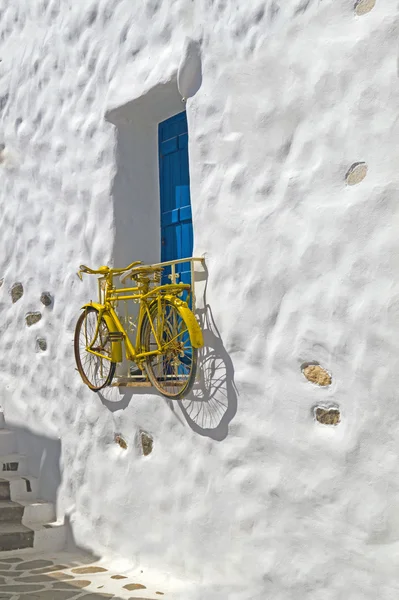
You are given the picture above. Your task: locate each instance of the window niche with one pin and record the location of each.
(135, 190)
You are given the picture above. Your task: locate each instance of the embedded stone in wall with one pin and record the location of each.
(32, 318)
(2, 153)
(1, 282)
(364, 6)
(120, 441)
(41, 344)
(17, 291)
(46, 299)
(356, 173)
(147, 443)
(327, 416)
(317, 375)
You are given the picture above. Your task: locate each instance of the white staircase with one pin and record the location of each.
(25, 520)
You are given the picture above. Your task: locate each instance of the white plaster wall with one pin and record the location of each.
(243, 490)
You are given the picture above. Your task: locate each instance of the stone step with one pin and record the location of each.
(4, 489)
(8, 442)
(50, 537)
(14, 463)
(14, 536)
(10, 511)
(19, 487)
(37, 511)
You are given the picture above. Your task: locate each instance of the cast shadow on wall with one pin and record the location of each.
(118, 398)
(43, 456)
(212, 404)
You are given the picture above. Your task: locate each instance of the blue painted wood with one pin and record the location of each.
(183, 141)
(176, 220)
(171, 217)
(185, 213)
(169, 146)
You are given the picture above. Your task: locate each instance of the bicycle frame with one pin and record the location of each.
(147, 299)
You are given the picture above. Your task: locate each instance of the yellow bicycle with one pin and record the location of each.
(167, 339)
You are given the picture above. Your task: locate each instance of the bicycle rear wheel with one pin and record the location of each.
(173, 372)
(95, 371)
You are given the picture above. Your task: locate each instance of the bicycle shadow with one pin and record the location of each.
(113, 398)
(212, 404)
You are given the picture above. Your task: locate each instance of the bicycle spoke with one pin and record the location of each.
(173, 369)
(96, 369)
(173, 339)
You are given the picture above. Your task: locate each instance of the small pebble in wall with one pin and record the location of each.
(147, 443)
(364, 6)
(120, 441)
(32, 318)
(41, 344)
(316, 374)
(1, 282)
(46, 299)
(356, 173)
(327, 416)
(17, 291)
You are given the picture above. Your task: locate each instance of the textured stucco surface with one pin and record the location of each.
(244, 490)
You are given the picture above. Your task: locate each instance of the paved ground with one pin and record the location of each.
(65, 576)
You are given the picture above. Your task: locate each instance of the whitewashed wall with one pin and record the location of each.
(243, 488)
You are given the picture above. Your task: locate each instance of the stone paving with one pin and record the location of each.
(68, 577)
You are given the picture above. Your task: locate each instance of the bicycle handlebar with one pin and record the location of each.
(104, 270)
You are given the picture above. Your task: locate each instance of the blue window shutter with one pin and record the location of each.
(176, 219)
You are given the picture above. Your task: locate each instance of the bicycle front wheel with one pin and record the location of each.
(172, 372)
(95, 371)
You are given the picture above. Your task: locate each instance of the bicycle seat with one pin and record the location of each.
(138, 272)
